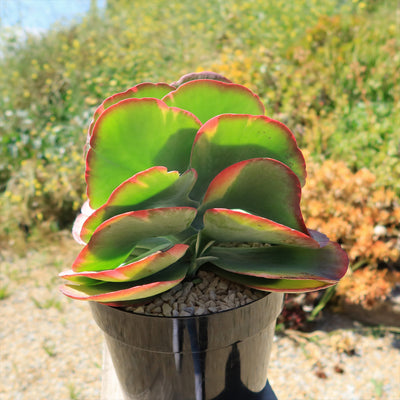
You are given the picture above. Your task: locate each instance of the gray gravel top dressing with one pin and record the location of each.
(211, 295)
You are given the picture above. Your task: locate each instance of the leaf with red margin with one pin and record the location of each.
(113, 240)
(228, 139)
(327, 264)
(152, 188)
(207, 98)
(134, 135)
(225, 225)
(124, 291)
(131, 271)
(274, 285)
(146, 89)
(261, 186)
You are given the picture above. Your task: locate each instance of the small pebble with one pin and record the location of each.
(189, 310)
(199, 311)
(158, 301)
(150, 307)
(186, 289)
(166, 309)
(184, 314)
(178, 294)
(192, 297)
(165, 297)
(214, 283)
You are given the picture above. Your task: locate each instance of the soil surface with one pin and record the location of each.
(51, 348)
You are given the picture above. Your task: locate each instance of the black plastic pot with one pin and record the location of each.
(222, 356)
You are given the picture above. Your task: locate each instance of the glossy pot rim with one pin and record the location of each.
(157, 333)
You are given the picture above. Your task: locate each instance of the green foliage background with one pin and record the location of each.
(329, 69)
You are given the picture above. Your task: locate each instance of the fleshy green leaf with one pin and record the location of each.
(327, 264)
(146, 89)
(228, 139)
(123, 291)
(134, 135)
(261, 186)
(225, 225)
(152, 188)
(207, 98)
(274, 285)
(113, 240)
(133, 271)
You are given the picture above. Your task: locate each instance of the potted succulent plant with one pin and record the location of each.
(182, 178)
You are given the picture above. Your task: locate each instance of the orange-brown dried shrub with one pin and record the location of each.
(365, 218)
(367, 286)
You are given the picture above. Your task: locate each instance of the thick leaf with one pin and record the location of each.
(154, 90)
(124, 291)
(260, 186)
(228, 139)
(113, 240)
(133, 271)
(327, 264)
(207, 98)
(274, 285)
(134, 135)
(152, 188)
(225, 225)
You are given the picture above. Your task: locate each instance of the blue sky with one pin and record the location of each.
(40, 14)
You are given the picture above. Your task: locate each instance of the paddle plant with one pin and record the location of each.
(193, 175)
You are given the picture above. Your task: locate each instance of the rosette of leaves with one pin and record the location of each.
(187, 176)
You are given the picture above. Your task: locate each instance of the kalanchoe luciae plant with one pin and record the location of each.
(188, 175)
